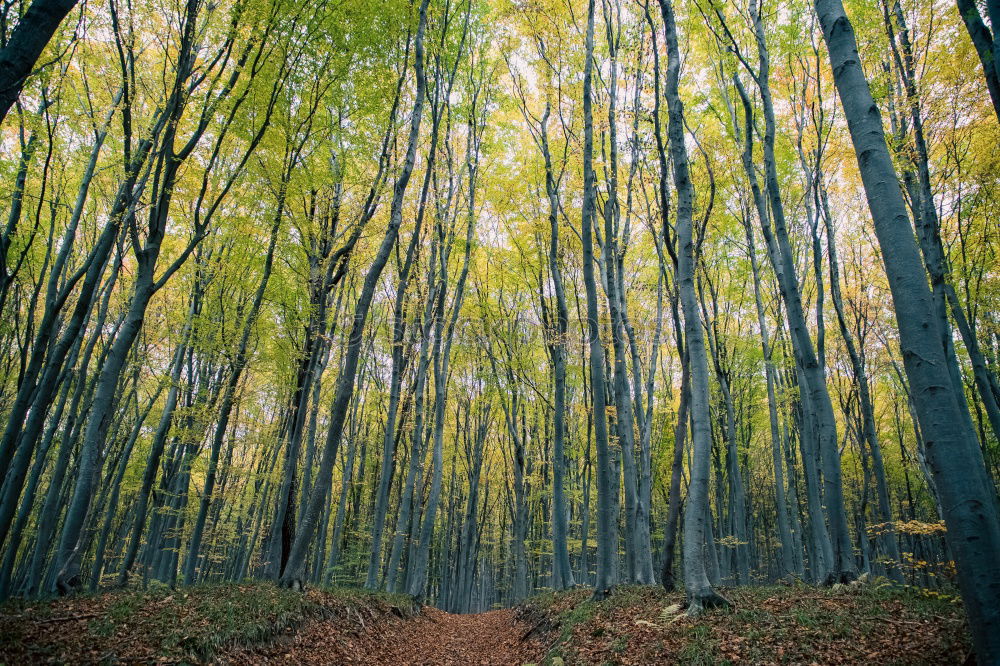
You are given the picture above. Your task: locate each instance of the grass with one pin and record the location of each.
(184, 625)
(873, 622)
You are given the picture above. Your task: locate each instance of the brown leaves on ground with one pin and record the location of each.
(434, 637)
(259, 623)
(766, 625)
(159, 625)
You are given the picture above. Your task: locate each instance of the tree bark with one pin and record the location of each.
(969, 509)
(606, 524)
(698, 588)
(25, 45)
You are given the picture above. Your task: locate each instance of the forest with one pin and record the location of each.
(471, 300)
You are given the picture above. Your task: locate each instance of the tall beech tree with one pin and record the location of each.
(699, 591)
(968, 503)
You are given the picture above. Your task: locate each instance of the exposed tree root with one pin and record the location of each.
(842, 577)
(699, 601)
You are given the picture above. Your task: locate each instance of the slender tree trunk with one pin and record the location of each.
(697, 527)
(562, 573)
(612, 253)
(606, 524)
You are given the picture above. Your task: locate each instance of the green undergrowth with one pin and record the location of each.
(185, 625)
(873, 622)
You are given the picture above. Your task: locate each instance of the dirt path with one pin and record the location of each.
(437, 637)
(433, 638)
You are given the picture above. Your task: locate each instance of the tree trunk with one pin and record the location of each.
(25, 44)
(969, 509)
(698, 588)
(606, 523)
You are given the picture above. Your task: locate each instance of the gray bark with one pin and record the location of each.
(697, 528)
(953, 453)
(606, 524)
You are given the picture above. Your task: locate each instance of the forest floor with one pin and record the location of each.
(434, 637)
(871, 623)
(259, 623)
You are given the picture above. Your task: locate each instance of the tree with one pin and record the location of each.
(605, 526)
(986, 45)
(952, 450)
(698, 589)
(22, 48)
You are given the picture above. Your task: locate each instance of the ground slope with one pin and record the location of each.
(189, 625)
(259, 623)
(873, 623)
